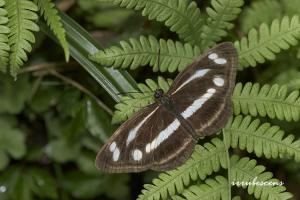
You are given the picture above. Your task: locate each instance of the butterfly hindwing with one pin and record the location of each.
(135, 147)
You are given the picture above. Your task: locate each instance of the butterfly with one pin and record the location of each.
(162, 135)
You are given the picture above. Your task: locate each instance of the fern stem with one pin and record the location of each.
(228, 162)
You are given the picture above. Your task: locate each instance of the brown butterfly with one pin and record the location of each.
(162, 135)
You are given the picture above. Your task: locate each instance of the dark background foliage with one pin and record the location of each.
(55, 117)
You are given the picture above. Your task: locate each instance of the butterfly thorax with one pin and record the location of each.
(163, 98)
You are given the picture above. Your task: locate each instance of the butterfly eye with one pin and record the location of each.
(158, 93)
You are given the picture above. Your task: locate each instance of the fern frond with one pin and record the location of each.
(50, 13)
(262, 139)
(21, 15)
(216, 188)
(246, 170)
(220, 15)
(172, 55)
(203, 162)
(136, 100)
(272, 101)
(181, 17)
(259, 12)
(263, 44)
(4, 31)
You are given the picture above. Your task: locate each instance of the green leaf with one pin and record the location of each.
(246, 170)
(181, 17)
(98, 121)
(4, 31)
(68, 102)
(75, 128)
(45, 98)
(84, 186)
(91, 143)
(288, 77)
(259, 12)
(22, 16)
(24, 183)
(110, 18)
(63, 151)
(220, 16)
(262, 139)
(268, 41)
(291, 7)
(86, 163)
(117, 183)
(204, 160)
(216, 188)
(12, 142)
(269, 100)
(43, 184)
(50, 13)
(91, 5)
(14, 94)
(160, 54)
(4, 160)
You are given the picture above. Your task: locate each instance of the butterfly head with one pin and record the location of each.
(161, 97)
(158, 94)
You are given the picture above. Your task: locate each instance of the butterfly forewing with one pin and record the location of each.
(162, 135)
(202, 93)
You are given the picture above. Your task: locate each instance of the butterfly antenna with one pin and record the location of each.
(158, 58)
(133, 92)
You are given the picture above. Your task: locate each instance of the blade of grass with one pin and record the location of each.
(81, 45)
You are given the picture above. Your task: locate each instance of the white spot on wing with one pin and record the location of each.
(116, 154)
(148, 148)
(220, 61)
(133, 132)
(113, 146)
(211, 91)
(216, 59)
(197, 104)
(198, 74)
(137, 155)
(218, 81)
(213, 56)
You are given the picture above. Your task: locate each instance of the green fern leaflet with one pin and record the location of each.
(262, 139)
(205, 159)
(220, 15)
(4, 31)
(246, 170)
(216, 188)
(50, 13)
(272, 101)
(180, 16)
(22, 16)
(172, 56)
(262, 45)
